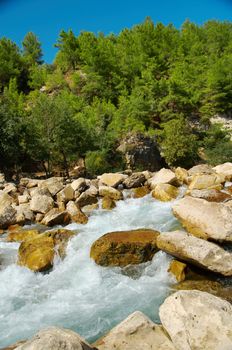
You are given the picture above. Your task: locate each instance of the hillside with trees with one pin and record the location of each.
(160, 81)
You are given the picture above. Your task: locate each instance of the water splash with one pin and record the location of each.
(78, 294)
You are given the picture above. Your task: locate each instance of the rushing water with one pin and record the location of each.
(77, 293)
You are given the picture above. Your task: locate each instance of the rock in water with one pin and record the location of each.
(54, 338)
(125, 247)
(197, 321)
(165, 192)
(205, 219)
(136, 332)
(164, 176)
(196, 251)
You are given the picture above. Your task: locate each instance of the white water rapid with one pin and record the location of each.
(77, 293)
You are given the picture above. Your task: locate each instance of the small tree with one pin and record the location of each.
(179, 145)
(32, 50)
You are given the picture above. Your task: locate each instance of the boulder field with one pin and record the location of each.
(201, 199)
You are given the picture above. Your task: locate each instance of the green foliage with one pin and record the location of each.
(179, 144)
(152, 78)
(32, 50)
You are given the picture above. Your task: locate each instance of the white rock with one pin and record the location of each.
(205, 219)
(196, 251)
(112, 179)
(65, 195)
(79, 185)
(197, 321)
(225, 169)
(53, 184)
(163, 176)
(136, 332)
(54, 338)
(41, 204)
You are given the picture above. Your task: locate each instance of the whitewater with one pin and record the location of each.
(78, 294)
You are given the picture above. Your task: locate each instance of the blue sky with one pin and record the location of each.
(46, 18)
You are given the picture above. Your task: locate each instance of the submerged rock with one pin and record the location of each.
(54, 338)
(205, 219)
(136, 332)
(197, 321)
(125, 247)
(165, 192)
(196, 251)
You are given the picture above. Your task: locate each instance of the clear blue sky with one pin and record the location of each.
(46, 18)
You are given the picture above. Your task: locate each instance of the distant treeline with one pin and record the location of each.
(153, 79)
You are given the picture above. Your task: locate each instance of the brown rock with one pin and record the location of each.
(125, 247)
(108, 203)
(135, 180)
(106, 191)
(177, 269)
(210, 195)
(80, 217)
(112, 179)
(56, 217)
(140, 192)
(165, 192)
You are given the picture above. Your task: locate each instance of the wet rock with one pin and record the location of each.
(53, 184)
(56, 217)
(106, 191)
(208, 220)
(177, 269)
(197, 321)
(54, 338)
(165, 192)
(88, 197)
(80, 217)
(200, 182)
(41, 204)
(140, 192)
(210, 195)
(125, 247)
(112, 179)
(108, 203)
(37, 253)
(135, 180)
(196, 251)
(22, 235)
(164, 176)
(136, 332)
(224, 169)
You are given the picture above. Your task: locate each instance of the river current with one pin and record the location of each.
(78, 294)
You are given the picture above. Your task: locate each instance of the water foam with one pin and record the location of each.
(77, 293)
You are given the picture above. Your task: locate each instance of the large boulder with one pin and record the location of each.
(210, 195)
(140, 192)
(38, 253)
(79, 185)
(135, 180)
(197, 321)
(53, 184)
(112, 179)
(164, 176)
(125, 247)
(141, 152)
(41, 204)
(197, 251)
(136, 332)
(201, 169)
(224, 169)
(200, 182)
(165, 192)
(66, 194)
(205, 219)
(54, 338)
(107, 191)
(56, 217)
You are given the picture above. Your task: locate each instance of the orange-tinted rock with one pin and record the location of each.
(140, 192)
(125, 247)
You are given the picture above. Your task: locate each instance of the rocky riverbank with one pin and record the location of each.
(201, 249)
